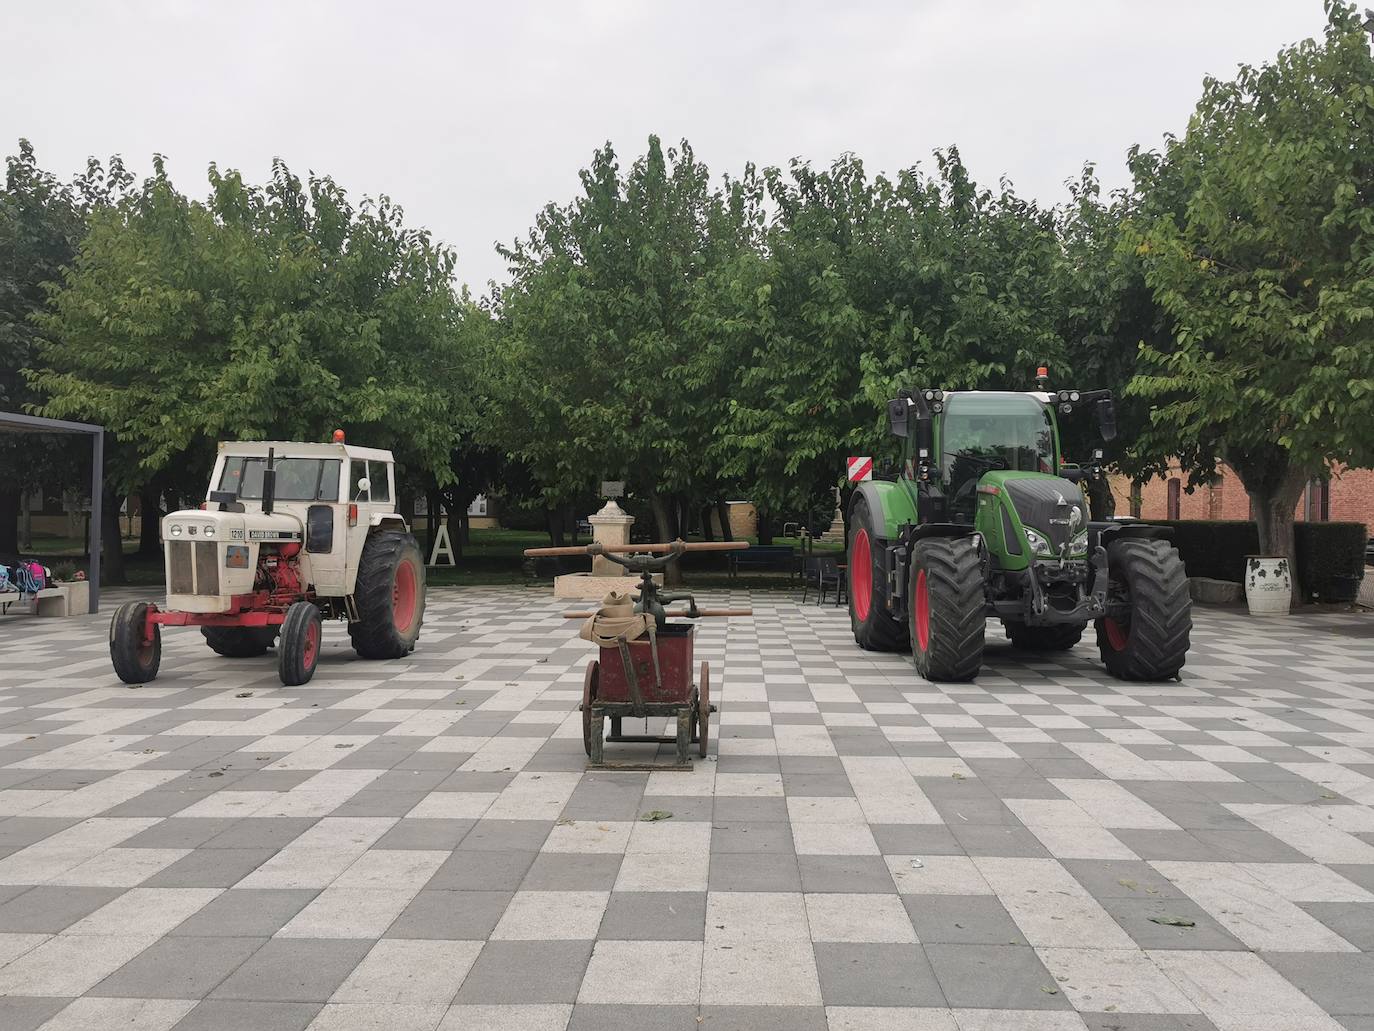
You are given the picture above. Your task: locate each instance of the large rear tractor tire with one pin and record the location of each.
(239, 642)
(135, 659)
(298, 654)
(874, 627)
(1144, 635)
(390, 595)
(948, 608)
(1060, 637)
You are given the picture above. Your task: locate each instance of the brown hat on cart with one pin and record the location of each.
(616, 620)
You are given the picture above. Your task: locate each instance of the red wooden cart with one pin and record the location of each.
(651, 676)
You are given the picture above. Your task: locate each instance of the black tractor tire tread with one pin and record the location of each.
(126, 632)
(374, 634)
(291, 651)
(1161, 613)
(1058, 637)
(958, 609)
(239, 642)
(880, 632)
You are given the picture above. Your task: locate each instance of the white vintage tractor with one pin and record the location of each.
(289, 533)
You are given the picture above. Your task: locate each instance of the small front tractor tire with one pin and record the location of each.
(1145, 634)
(1059, 637)
(948, 608)
(298, 653)
(874, 627)
(390, 596)
(136, 660)
(239, 642)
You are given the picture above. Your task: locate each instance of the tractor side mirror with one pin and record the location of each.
(897, 416)
(1106, 418)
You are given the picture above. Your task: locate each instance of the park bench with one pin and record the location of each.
(765, 557)
(50, 601)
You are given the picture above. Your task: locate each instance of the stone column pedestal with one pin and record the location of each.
(610, 526)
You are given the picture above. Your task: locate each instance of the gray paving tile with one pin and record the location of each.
(294, 970)
(658, 915)
(451, 915)
(247, 912)
(844, 874)
(52, 908)
(179, 967)
(876, 975)
(758, 871)
(483, 870)
(1149, 923)
(571, 871)
(526, 972)
(994, 977)
(233, 1015)
(26, 1014)
(587, 1017)
(211, 868)
(963, 919)
(1340, 983)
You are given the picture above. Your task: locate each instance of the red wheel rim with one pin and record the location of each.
(403, 597)
(861, 576)
(1116, 635)
(312, 644)
(920, 615)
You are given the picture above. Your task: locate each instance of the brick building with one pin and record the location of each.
(1347, 496)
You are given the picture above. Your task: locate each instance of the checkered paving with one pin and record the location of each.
(417, 844)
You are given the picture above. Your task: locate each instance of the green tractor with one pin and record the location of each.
(987, 519)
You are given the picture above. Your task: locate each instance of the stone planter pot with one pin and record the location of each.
(78, 597)
(1268, 585)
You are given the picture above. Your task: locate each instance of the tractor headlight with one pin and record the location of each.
(175, 531)
(1039, 543)
(209, 531)
(1079, 544)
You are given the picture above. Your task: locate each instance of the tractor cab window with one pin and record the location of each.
(982, 432)
(378, 479)
(298, 479)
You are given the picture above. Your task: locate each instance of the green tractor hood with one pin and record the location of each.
(1025, 516)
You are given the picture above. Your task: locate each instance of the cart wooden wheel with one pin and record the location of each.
(704, 711)
(589, 696)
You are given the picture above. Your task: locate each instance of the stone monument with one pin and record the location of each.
(611, 525)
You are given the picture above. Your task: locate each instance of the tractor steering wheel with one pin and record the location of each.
(971, 484)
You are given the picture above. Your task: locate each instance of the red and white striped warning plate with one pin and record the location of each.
(860, 469)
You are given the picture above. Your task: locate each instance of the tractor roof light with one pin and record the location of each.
(175, 531)
(937, 407)
(1073, 395)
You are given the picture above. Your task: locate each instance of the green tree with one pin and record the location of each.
(594, 367)
(274, 312)
(1268, 272)
(42, 220)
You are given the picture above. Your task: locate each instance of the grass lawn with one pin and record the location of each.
(494, 557)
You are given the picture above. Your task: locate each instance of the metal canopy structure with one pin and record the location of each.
(17, 423)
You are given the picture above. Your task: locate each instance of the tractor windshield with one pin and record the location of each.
(298, 479)
(989, 431)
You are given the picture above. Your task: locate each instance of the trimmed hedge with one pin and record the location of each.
(1330, 555)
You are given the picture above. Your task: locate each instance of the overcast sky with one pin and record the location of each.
(473, 116)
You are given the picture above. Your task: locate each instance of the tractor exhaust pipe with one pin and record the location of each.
(269, 483)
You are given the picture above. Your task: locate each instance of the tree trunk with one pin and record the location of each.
(456, 515)
(149, 519)
(672, 576)
(112, 543)
(707, 533)
(433, 507)
(1274, 485)
(1100, 498)
(723, 514)
(405, 500)
(553, 518)
(765, 526)
(1137, 496)
(9, 521)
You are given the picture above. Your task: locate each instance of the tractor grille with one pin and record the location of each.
(1045, 505)
(193, 568)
